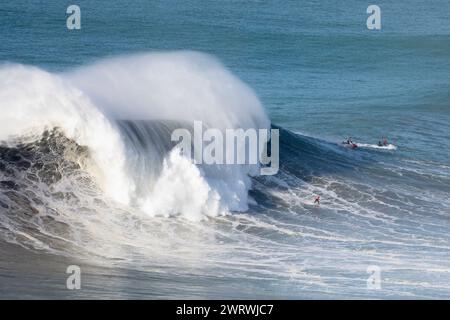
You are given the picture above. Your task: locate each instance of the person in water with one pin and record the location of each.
(317, 200)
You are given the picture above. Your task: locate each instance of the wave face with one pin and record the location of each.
(123, 110)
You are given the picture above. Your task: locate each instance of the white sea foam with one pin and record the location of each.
(182, 188)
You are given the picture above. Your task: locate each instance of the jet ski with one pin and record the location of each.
(350, 145)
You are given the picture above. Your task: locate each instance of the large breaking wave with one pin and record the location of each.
(123, 111)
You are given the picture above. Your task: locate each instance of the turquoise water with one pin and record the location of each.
(318, 72)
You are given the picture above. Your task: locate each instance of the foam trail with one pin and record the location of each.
(375, 146)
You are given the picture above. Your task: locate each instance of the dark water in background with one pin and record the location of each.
(319, 72)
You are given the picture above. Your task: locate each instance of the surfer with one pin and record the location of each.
(317, 200)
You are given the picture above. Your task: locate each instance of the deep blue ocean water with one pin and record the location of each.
(320, 73)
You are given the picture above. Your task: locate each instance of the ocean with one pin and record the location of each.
(88, 177)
